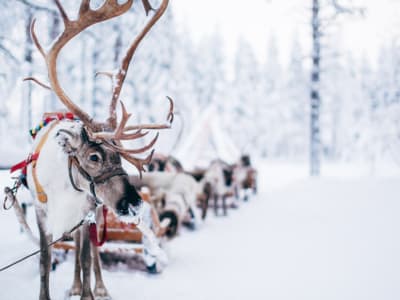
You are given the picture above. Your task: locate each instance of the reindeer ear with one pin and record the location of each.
(68, 140)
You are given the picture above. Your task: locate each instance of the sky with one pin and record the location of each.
(258, 20)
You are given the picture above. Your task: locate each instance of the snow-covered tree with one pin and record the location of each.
(245, 97)
(323, 13)
(295, 95)
(210, 69)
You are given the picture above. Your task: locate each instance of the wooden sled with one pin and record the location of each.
(172, 206)
(123, 238)
(172, 212)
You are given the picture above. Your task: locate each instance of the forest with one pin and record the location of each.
(265, 104)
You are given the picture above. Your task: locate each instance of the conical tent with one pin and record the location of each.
(207, 141)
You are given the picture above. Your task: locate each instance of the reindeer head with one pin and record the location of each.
(96, 169)
(94, 149)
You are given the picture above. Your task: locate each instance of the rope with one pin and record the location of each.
(10, 193)
(38, 251)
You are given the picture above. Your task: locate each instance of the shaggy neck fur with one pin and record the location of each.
(65, 206)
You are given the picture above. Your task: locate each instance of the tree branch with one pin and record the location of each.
(341, 9)
(37, 6)
(8, 54)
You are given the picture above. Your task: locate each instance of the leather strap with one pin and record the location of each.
(41, 194)
(73, 161)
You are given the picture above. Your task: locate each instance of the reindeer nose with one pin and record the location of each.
(122, 207)
(129, 198)
(132, 195)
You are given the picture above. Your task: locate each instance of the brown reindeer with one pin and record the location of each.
(244, 177)
(75, 163)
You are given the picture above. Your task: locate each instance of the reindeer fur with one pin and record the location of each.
(179, 189)
(65, 206)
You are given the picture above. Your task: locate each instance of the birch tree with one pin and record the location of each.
(319, 23)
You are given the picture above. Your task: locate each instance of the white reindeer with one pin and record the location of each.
(76, 162)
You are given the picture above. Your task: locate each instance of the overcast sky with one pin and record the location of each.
(256, 20)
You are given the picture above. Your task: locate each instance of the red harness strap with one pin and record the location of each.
(48, 117)
(93, 230)
(23, 164)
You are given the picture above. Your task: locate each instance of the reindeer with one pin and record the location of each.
(167, 175)
(75, 164)
(218, 176)
(244, 177)
(178, 193)
(162, 163)
(168, 183)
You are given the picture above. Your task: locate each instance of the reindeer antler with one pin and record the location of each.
(123, 133)
(120, 76)
(102, 130)
(86, 18)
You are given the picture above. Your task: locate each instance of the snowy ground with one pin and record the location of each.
(329, 238)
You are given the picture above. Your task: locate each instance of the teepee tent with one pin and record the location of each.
(207, 141)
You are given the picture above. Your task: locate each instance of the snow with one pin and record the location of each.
(9, 157)
(329, 238)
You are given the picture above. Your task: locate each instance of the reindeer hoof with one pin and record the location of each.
(155, 268)
(101, 294)
(74, 291)
(108, 297)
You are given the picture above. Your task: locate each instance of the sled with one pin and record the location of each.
(181, 213)
(171, 209)
(122, 238)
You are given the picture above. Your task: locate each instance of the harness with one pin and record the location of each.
(32, 159)
(73, 162)
(54, 119)
(93, 181)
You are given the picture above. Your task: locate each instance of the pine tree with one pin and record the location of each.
(246, 97)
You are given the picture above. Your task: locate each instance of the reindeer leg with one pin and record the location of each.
(255, 190)
(236, 190)
(195, 217)
(204, 207)
(86, 262)
(207, 196)
(100, 290)
(45, 258)
(76, 289)
(216, 204)
(224, 204)
(246, 195)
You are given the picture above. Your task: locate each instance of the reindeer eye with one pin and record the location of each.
(94, 157)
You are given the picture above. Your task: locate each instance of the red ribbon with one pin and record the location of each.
(93, 230)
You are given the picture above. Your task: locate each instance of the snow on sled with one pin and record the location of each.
(173, 207)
